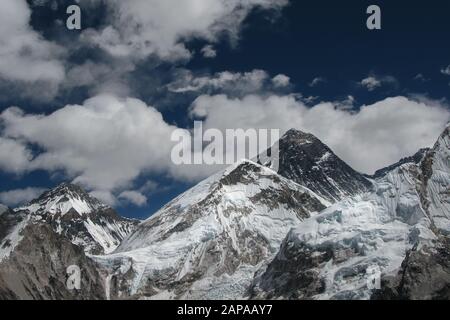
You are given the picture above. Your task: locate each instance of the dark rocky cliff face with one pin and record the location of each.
(424, 275)
(293, 274)
(309, 162)
(425, 271)
(37, 268)
(8, 220)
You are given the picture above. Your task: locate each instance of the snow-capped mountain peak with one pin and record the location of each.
(300, 137)
(63, 199)
(81, 218)
(416, 158)
(309, 162)
(316, 229)
(215, 235)
(397, 233)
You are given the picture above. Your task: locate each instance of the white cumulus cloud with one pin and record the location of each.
(25, 56)
(134, 197)
(281, 80)
(14, 156)
(208, 51)
(446, 70)
(140, 28)
(226, 81)
(17, 197)
(376, 136)
(316, 81)
(373, 82)
(106, 143)
(103, 144)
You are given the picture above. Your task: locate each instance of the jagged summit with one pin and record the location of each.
(217, 232)
(295, 134)
(249, 231)
(69, 188)
(305, 159)
(81, 218)
(239, 172)
(400, 229)
(445, 134)
(420, 156)
(416, 158)
(65, 198)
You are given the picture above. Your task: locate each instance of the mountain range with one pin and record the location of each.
(315, 229)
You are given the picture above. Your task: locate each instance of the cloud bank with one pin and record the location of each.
(107, 143)
(140, 28)
(231, 83)
(376, 136)
(26, 58)
(16, 197)
(103, 144)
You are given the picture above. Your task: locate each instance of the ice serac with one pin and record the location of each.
(436, 183)
(328, 256)
(425, 271)
(309, 162)
(208, 242)
(79, 217)
(398, 231)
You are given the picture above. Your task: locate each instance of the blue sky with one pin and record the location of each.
(322, 47)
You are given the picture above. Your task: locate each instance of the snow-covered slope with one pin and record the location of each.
(65, 198)
(59, 229)
(7, 221)
(11, 227)
(436, 175)
(250, 232)
(336, 254)
(209, 241)
(425, 271)
(416, 158)
(74, 214)
(330, 255)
